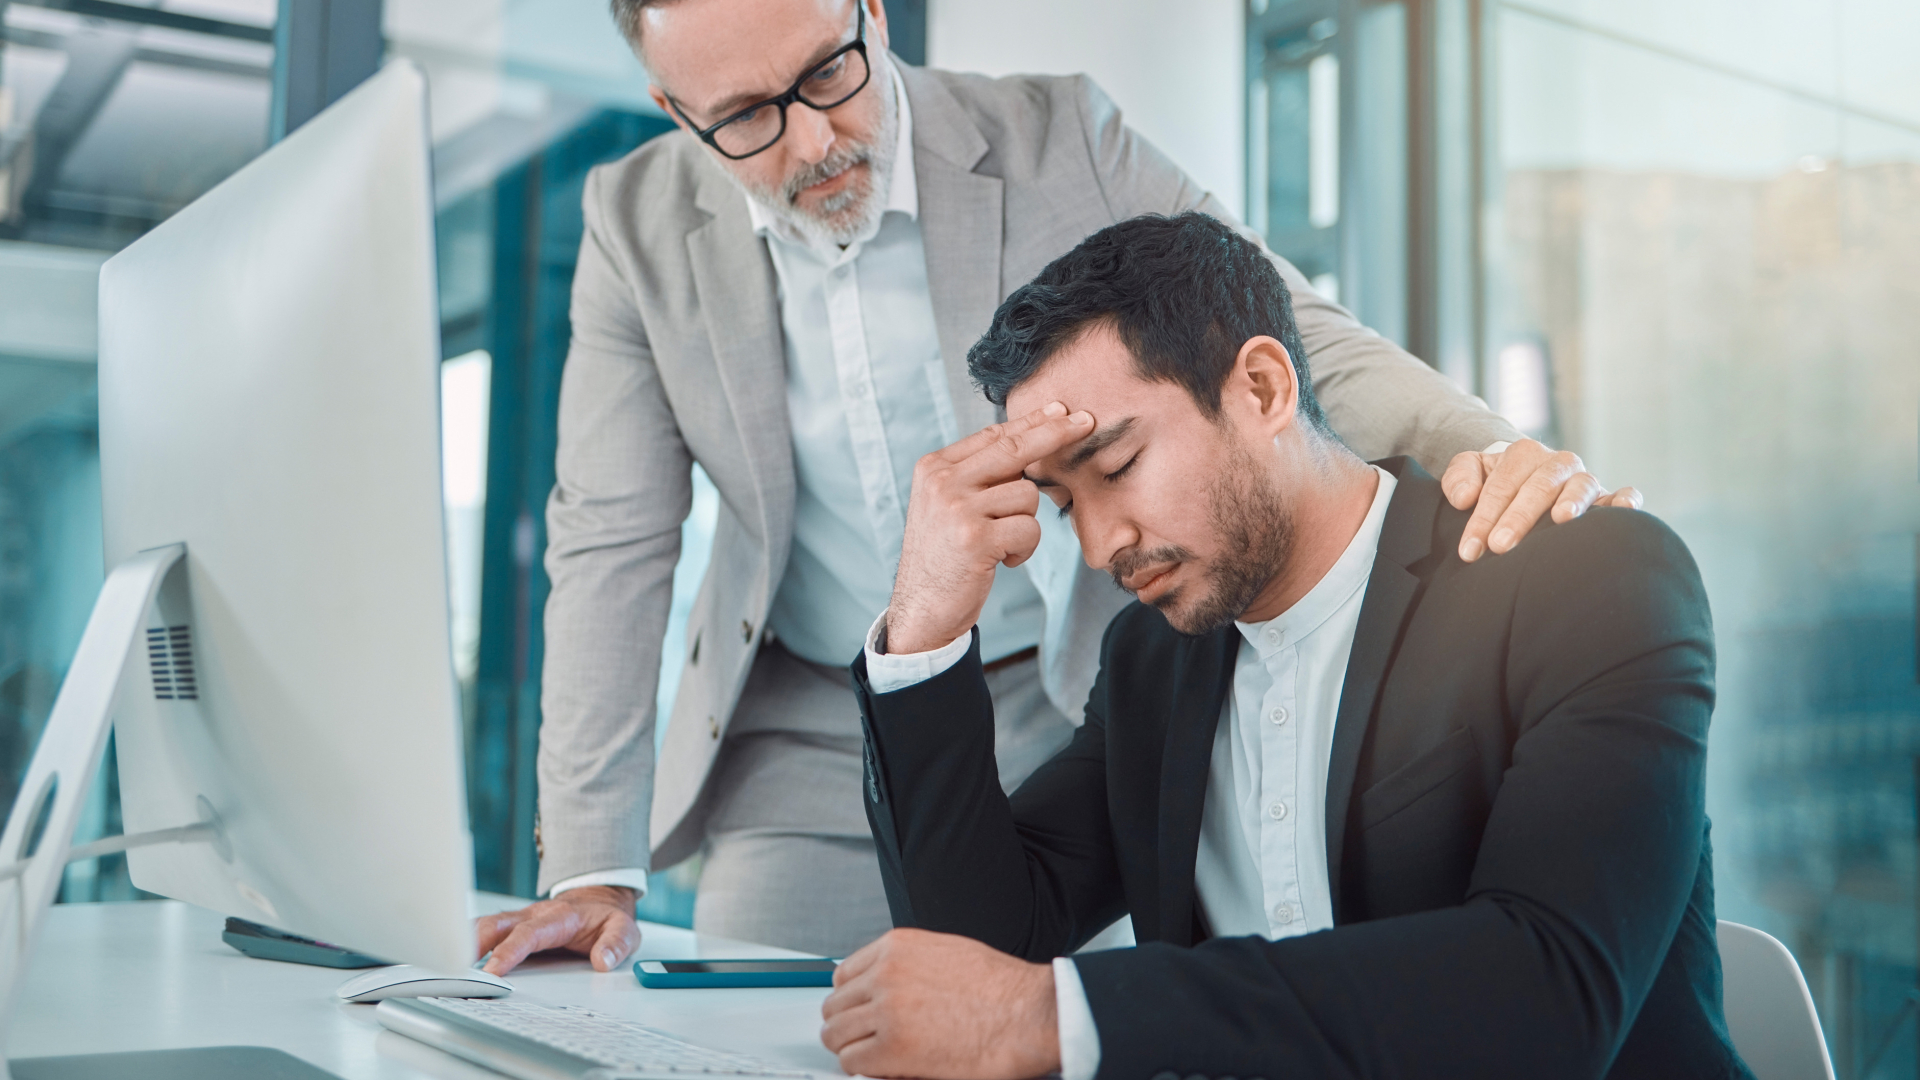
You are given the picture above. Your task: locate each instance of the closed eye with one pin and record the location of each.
(1066, 508)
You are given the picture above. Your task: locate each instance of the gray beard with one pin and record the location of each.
(854, 212)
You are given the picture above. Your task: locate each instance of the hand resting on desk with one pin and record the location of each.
(595, 920)
(996, 1013)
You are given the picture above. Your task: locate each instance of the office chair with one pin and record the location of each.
(1770, 1014)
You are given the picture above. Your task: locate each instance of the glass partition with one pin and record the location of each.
(1704, 276)
(106, 128)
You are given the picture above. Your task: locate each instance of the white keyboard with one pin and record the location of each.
(539, 1042)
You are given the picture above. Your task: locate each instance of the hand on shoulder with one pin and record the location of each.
(1512, 488)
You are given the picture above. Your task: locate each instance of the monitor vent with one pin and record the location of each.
(170, 654)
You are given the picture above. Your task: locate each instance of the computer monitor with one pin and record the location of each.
(269, 401)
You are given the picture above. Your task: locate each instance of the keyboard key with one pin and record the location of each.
(621, 1047)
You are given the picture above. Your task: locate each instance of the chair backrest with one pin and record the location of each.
(1770, 1014)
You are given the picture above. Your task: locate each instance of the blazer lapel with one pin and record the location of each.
(961, 215)
(1406, 537)
(739, 298)
(1199, 692)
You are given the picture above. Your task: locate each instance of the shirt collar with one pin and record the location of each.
(1349, 574)
(903, 195)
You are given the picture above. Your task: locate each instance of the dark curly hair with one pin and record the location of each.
(1183, 293)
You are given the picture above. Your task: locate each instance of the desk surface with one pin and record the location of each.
(149, 976)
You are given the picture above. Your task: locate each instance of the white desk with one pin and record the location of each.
(150, 976)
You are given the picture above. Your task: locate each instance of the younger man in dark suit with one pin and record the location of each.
(1373, 811)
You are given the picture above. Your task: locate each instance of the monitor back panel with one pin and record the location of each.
(269, 395)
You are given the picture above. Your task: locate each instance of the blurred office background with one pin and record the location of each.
(1681, 237)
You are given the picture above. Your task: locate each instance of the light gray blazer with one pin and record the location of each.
(677, 357)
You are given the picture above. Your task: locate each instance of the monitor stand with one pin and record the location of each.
(38, 841)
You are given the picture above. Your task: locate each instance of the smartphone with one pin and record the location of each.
(675, 974)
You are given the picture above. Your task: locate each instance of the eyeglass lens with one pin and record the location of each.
(829, 85)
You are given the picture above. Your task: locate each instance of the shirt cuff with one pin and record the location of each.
(1079, 1039)
(1497, 448)
(631, 878)
(887, 672)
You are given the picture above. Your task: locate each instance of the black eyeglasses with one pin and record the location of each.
(826, 84)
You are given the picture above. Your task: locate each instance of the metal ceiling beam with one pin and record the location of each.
(40, 39)
(197, 62)
(146, 16)
(12, 146)
(96, 59)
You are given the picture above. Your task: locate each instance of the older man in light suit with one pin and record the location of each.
(784, 292)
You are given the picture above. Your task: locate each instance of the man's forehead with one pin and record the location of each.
(706, 52)
(1094, 371)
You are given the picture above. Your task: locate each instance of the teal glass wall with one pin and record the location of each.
(106, 128)
(1681, 238)
(1704, 272)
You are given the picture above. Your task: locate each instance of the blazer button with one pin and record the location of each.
(713, 727)
(746, 631)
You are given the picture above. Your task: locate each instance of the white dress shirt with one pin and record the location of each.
(866, 398)
(1261, 867)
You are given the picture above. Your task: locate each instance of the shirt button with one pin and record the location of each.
(1277, 811)
(1278, 716)
(1283, 914)
(1273, 633)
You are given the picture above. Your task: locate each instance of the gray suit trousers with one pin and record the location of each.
(789, 857)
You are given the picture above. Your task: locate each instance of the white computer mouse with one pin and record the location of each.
(405, 980)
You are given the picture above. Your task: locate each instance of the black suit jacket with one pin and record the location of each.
(1516, 832)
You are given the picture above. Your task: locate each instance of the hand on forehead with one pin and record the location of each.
(1002, 453)
(1094, 374)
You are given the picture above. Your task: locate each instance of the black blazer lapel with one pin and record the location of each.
(1406, 537)
(1199, 691)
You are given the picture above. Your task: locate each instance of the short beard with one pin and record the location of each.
(848, 216)
(1256, 531)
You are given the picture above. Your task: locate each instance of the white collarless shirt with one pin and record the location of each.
(1262, 863)
(1261, 867)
